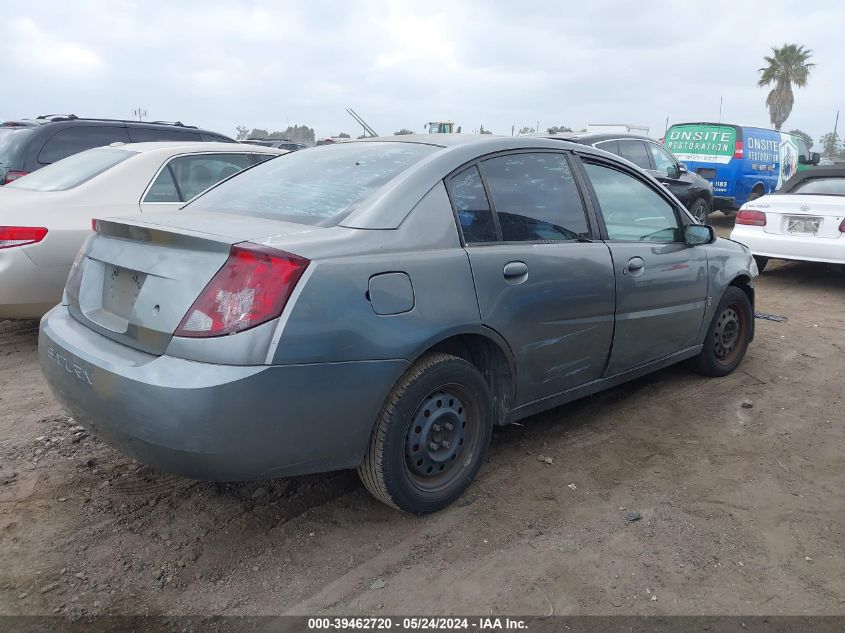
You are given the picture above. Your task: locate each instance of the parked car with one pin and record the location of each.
(804, 220)
(691, 189)
(285, 144)
(46, 216)
(381, 304)
(30, 144)
(742, 162)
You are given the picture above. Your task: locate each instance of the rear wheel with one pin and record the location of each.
(757, 192)
(728, 336)
(761, 262)
(700, 211)
(431, 436)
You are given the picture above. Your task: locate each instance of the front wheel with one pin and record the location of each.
(728, 336)
(700, 211)
(431, 437)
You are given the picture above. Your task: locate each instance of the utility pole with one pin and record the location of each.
(140, 113)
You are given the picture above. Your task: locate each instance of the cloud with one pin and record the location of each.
(400, 63)
(31, 47)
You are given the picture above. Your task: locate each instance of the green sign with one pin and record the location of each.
(704, 143)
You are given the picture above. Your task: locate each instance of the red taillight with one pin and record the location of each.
(752, 218)
(738, 153)
(252, 288)
(20, 235)
(11, 176)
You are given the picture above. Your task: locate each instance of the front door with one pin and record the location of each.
(661, 283)
(541, 283)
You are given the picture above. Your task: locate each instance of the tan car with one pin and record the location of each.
(46, 216)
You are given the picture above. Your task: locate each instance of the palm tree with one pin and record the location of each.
(786, 66)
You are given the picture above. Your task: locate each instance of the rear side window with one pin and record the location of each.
(634, 151)
(12, 141)
(632, 210)
(469, 200)
(535, 197)
(73, 140)
(150, 134)
(319, 186)
(608, 146)
(72, 171)
(186, 176)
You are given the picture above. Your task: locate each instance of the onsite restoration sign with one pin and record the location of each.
(702, 143)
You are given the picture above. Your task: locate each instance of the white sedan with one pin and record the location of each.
(46, 216)
(804, 220)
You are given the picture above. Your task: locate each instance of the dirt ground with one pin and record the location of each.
(742, 509)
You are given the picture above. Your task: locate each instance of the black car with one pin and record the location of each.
(30, 144)
(278, 143)
(692, 190)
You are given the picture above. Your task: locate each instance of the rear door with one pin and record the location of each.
(541, 283)
(661, 283)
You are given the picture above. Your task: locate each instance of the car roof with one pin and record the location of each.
(827, 171)
(588, 138)
(194, 146)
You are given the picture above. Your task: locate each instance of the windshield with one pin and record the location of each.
(11, 138)
(72, 171)
(316, 186)
(823, 186)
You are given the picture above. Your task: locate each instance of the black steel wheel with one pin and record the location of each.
(431, 437)
(728, 336)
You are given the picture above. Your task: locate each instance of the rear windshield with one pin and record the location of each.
(12, 138)
(318, 186)
(824, 186)
(72, 171)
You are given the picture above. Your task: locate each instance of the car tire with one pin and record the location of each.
(757, 193)
(727, 337)
(700, 211)
(761, 262)
(431, 436)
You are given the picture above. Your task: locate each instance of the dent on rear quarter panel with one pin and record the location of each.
(333, 321)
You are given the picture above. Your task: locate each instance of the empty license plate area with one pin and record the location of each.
(121, 288)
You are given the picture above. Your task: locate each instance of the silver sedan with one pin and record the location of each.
(381, 304)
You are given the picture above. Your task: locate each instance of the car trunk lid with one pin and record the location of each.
(803, 215)
(135, 280)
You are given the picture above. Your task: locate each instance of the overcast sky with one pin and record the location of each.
(399, 63)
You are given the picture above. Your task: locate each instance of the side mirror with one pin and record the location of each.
(683, 168)
(815, 157)
(697, 234)
(673, 171)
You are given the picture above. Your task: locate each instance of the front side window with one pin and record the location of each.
(469, 200)
(663, 160)
(635, 152)
(535, 197)
(632, 210)
(72, 171)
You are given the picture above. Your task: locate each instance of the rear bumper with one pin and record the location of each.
(215, 422)
(27, 291)
(809, 249)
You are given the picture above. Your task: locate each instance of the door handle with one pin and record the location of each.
(515, 269)
(635, 264)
